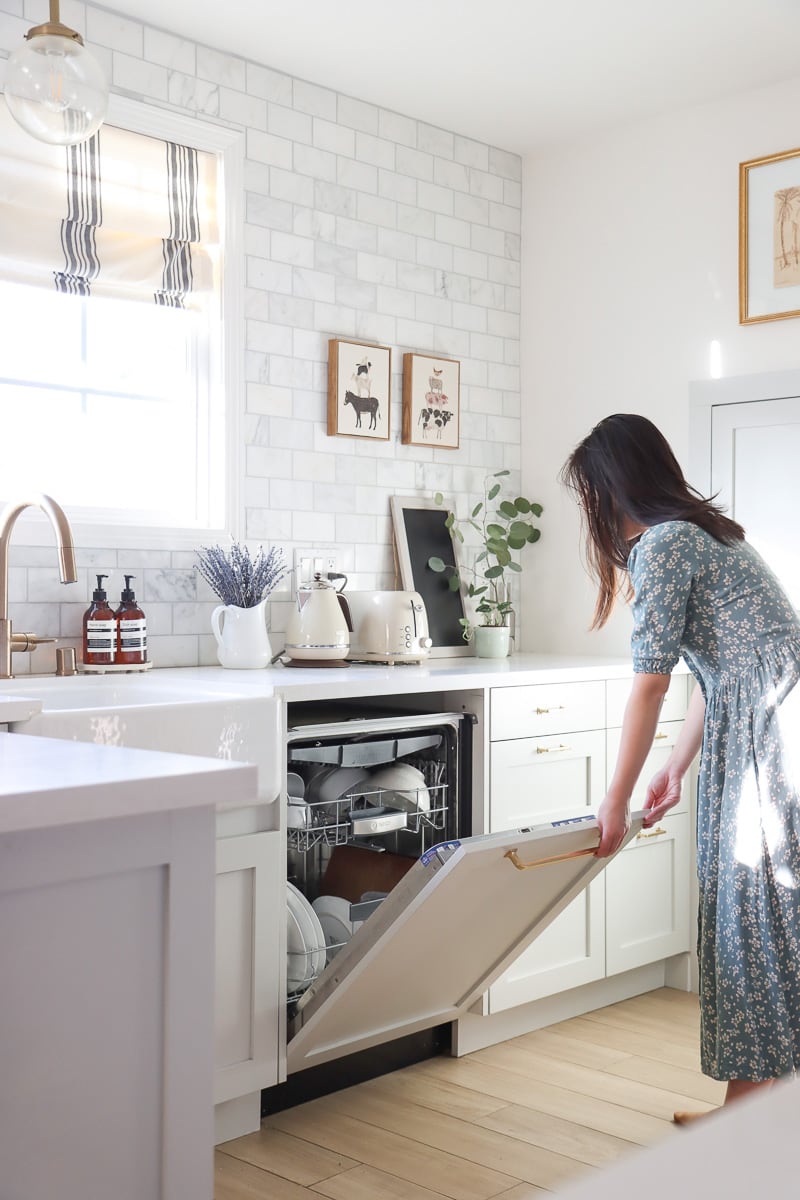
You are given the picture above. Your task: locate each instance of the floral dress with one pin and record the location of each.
(723, 610)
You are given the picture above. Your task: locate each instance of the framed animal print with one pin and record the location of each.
(359, 380)
(431, 401)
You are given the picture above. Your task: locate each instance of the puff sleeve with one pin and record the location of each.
(663, 566)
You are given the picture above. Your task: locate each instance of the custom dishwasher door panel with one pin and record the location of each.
(545, 779)
(647, 897)
(551, 779)
(457, 920)
(249, 952)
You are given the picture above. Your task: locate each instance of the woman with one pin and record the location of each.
(700, 591)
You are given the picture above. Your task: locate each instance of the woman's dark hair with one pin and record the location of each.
(625, 468)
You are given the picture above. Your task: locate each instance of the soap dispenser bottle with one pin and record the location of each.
(99, 629)
(131, 628)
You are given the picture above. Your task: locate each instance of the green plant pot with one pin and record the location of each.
(492, 641)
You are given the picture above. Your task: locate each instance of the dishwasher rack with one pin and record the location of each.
(371, 812)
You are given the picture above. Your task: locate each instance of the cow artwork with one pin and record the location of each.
(359, 382)
(431, 401)
(434, 419)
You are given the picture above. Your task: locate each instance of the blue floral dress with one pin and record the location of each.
(723, 610)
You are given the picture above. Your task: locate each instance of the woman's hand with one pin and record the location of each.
(613, 822)
(663, 793)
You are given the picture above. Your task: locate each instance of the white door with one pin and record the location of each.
(456, 921)
(755, 451)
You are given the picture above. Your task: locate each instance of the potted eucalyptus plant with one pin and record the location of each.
(504, 528)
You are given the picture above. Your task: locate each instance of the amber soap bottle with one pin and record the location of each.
(131, 628)
(99, 629)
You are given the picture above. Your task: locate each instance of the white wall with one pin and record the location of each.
(360, 223)
(630, 270)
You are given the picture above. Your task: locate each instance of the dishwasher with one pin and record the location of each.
(398, 918)
(368, 793)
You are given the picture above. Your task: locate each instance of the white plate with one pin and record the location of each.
(334, 917)
(298, 966)
(312, 937)
(404, 785)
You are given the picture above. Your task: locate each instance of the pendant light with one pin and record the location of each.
(54, 88)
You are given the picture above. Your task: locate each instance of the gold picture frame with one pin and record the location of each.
(359, 389)
(769, 238)
(431, 401)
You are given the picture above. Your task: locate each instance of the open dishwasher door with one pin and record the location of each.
(457, 920)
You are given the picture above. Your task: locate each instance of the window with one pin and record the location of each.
(116, 405)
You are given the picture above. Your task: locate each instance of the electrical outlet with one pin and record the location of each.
(309, 562)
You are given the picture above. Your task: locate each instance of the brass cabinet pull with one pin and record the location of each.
(552, 749)
(646, 833)
(660, 737)
(544, 862)
(542, 712)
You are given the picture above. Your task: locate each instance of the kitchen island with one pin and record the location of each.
(106, 919)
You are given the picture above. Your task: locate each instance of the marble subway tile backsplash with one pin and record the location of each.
(359, 223)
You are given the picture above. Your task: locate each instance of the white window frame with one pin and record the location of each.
(32, 528)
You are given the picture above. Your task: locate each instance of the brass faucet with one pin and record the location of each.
(10, 642)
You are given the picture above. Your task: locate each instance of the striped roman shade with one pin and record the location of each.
(120, 215)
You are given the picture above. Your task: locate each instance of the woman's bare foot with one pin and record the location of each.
(689, 1118)
(736, 1090)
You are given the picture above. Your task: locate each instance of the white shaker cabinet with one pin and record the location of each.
(647, 897)
(637, 912)
(246, 1015)
(648, 885)
(556, 775)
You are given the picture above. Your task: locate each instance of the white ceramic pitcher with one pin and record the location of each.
(241, 633)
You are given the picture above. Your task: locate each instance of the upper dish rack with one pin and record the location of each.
(372, 812)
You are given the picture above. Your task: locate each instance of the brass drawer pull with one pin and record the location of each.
(552, 749)
(542, 712)
(647, 833)
(544, 862)
(660, 737)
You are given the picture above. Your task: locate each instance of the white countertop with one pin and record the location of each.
(46, 782)
(438, 674)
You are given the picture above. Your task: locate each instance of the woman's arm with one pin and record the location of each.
(638, 730)
(664, 790)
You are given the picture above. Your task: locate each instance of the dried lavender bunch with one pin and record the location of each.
(236, 577)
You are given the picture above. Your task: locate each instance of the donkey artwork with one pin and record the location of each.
(364, 404)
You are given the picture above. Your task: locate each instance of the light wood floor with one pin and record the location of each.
(513, 1121)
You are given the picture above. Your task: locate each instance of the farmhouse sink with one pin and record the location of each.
(146, 713)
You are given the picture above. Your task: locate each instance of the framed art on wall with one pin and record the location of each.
(359, 382)
(431, 401)
(769, 238)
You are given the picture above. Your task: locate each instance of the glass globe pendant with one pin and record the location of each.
(54, 88)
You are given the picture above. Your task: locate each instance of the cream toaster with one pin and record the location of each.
(388, 627)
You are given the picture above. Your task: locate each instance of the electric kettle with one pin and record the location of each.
(318, 631)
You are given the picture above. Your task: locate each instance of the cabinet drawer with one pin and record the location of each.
(665, 738)
(523, 712)
(546, 779)
(673, 708)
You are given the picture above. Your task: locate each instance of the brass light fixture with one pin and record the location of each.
(55, 88)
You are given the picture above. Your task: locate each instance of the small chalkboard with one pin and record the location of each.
(420, 534)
